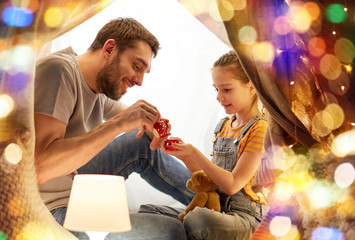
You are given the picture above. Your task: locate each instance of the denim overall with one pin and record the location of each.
(225, 154)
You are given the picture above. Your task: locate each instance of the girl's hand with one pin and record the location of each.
(181, 150)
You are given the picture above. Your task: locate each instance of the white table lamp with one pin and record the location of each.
(98, 206)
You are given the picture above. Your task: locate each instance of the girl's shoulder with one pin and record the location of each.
(259, 125)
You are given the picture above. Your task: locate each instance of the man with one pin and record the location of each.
(75, 94)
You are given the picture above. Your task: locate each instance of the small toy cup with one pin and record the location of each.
(168, 143)
(161, 128)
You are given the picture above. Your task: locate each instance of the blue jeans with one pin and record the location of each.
(144, 226)
(127, 154)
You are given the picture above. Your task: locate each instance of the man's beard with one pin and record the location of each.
(106, 81)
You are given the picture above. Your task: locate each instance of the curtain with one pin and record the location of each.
(300, 56)
(25, 27)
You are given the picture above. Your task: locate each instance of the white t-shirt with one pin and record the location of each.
(61, 92)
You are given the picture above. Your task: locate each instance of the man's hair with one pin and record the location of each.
(231, 61)
(125, 31)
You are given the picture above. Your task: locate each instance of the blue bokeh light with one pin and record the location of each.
(327, 233)
(17, 17)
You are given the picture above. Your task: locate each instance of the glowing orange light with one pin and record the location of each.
(348, 68)
(312, 9)
(292, 82)
(316, 46)
(334, 32)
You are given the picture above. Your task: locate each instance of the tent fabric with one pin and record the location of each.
(294, 89)
(25, 27)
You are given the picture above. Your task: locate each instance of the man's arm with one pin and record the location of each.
(57, 156)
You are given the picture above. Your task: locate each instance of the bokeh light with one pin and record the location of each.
(300, 181)
(3, 236)
(240, 4)
(6, 105)
(327, 233)
(344, 50)
(321, 195)
(247, 35)
(13, 153)
(226, 10)
(340, 85)
(280, 225)
(53, 17)
(17, 206)
(316, 46)
(335, 13)
(213, 12)
(344, 175)
(196, 7)
(337, 115)
(293, 234)
(30, 4)
(20, 59)
(343, 144)
(283, 191)
(322, 123)
(313, 10)
(17, 17)
(299, 18)
(281, 25)
(35, 230)
(330, 67)
(263, 52)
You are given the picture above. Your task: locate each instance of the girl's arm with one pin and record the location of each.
(229, 182)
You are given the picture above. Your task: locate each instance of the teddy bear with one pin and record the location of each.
(205, 193)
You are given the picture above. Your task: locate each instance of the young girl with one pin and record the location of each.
(237, 155)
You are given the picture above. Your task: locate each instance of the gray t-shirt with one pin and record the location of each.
(61, 92)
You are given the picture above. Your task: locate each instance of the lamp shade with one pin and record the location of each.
(98, 203)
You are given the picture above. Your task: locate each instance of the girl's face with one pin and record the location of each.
(234, 95)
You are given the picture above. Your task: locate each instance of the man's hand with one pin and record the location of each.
(141, 115)
(156, 141)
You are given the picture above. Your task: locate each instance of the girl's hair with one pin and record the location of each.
(230, 60)
(125, 31)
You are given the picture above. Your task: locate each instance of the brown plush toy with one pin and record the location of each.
(205, 193)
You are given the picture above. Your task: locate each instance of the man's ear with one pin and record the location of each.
(108, 48)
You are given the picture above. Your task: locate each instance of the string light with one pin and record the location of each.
(334, 32)
(348, 68)
(291, 145)
(292, 82)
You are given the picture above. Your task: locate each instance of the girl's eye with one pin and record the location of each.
(227, 89)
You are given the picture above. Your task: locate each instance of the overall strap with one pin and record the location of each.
(246, 128)
(220, 125)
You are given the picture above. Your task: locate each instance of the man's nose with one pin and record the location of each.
(138, 80)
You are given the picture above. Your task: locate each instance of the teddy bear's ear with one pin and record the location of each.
(197, 177)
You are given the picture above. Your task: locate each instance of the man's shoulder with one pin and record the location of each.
(58, 61)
